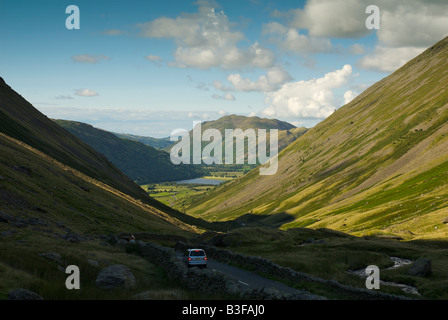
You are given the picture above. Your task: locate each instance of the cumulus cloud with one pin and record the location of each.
(86, 93)
(330, 18)
(290, 39)
(407, 26)
(413, 23)
(403, 22)
(205, 39)
(307, 99)
(349, 96)
(387, 59)
(274, 78)
(88, 58)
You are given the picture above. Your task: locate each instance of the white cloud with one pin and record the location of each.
(403, 22)
(413, 23)
(349, 96)
(274, 78)
(290, 39)
(307, 99)
(331, 18)
(154, 59)
(88, 58)
(86, 93)
(206, 39)
(406, 27)
(388, 59)
(226, 96)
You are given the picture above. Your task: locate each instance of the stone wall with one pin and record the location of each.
(266, 266)
(207, 281)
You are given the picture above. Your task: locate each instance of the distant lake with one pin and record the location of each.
(210, 182)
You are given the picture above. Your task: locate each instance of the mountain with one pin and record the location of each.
(20, 120)
(378, 165)
(161, 144)
(53, 215)
(140, 162)
(287, 133)
(41, 196)
(244, 123)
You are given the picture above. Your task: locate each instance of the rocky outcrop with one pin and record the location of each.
(23, 294)
(53, 256)
(421, 268)
(115, 276)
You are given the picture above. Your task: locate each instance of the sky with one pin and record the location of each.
(151, 67)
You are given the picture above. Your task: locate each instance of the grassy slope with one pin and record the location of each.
(244, 123)
(157, 143)
(330, 254)
(19, 119)
(52, 200)
(287, 133)
(140, 162)
(377, 165)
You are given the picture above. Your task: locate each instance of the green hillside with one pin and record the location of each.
(378, 165)
(20, 120)
(287, 133)
(140, 162)
(160, 144)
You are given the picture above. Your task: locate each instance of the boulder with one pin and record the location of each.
(23, 294)
(421, 268)
(115, 276)
(53, 256)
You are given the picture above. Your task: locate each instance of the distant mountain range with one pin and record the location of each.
(157, 143)
(140, 162)
(378, 165)
(287, 132)
(144, 164)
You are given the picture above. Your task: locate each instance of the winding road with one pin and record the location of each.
(246, 278)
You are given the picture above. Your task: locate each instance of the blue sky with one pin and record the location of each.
(150, 67)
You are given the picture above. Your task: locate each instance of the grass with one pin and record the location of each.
(342, 252)
(22, 267)
(376, 166)
(181, 196)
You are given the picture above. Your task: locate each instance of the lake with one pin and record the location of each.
(210, 182)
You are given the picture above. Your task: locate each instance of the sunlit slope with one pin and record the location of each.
(377, 165)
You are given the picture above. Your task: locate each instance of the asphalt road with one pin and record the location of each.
(246, 278)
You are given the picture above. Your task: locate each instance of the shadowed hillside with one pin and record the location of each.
(20, 120)
(140, 162)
